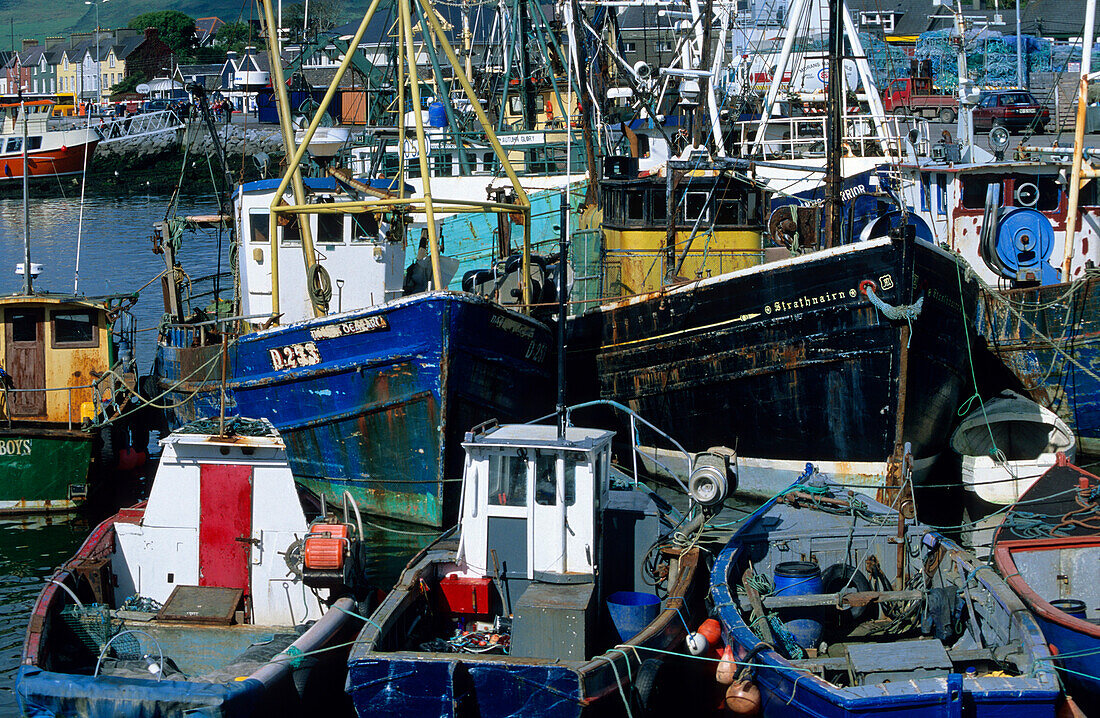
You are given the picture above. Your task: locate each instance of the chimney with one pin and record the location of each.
(151, 33)
(231, 55)
(78, 37)
(29, 42)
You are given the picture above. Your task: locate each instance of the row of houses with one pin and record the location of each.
(87, 65)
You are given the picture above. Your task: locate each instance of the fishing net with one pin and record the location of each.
(990, 57)
(94, 627)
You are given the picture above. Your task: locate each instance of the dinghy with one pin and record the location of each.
(1004, 446)
(1047, 549)
(836, 605)
(215, 597)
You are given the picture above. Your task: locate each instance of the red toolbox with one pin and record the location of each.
(464, 596)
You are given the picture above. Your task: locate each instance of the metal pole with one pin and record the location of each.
(26, 200)
(1019, 50)
(563, 252)
(278, 84)
(833, 122)
(1079, 136)
(421, 145)
(221, 414)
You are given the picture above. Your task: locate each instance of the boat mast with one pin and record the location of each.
(833, 123)
(26, 202)
(278, 84)
(1078, 136)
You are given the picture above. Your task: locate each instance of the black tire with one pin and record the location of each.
(947, 115)
(652, 685)
(838, 576)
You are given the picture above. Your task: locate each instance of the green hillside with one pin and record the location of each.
(46, 18)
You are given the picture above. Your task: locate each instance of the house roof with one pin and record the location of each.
(206, 28)
(1060, 19)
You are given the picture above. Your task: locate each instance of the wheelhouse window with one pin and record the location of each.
(259, 226)
(292, 234)
(635, 206)
(695, 206)
(15, 144)
(974, 189)
(364, 227)
(34, 143)
(330, 228)
(508, 481)
(73, 328)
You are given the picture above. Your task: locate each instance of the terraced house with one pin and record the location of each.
(91, 66)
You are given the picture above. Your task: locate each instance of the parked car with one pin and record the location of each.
(156, 105)
(1011, 109)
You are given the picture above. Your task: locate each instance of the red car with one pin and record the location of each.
(1011, 109)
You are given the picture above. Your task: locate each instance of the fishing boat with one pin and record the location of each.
(49, 152)
(67, 369)
(837, 605)
(61, 370)
(1003, 446)
(542, 601)
(847, 353)
(199, 600)
(1046, 550)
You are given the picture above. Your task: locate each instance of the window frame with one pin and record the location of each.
(56, 343)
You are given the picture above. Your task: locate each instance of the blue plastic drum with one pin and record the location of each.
(799, 578)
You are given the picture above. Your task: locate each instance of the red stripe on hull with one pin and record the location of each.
(67, 161)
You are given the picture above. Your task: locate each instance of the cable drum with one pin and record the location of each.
(319, 286)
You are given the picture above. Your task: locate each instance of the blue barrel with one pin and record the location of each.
(437, 115)
(1070, 606)
(632, 611)
(798, 578)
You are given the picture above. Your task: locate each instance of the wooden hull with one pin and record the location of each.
(43, 470)
(382, 411)
(887, 680)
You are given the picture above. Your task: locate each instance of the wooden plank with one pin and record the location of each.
(855, 598)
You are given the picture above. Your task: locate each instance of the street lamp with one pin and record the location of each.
(98, 60)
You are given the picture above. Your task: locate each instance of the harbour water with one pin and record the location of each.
(115, 257)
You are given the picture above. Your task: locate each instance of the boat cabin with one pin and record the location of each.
(1023, 207)
(50, 347)
(541, 523)
(11, 125)
(363, 255)
(716, 218)
(222, 515)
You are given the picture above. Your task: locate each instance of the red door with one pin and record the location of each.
(225, 525)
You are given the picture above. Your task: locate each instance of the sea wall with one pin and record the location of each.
(185, 157)
(237, 139)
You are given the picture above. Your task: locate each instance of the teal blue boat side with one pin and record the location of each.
(464, 235)
(376, 401)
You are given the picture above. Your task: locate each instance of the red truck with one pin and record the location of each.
(916, 96)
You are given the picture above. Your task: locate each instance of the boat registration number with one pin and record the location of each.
(293, 356)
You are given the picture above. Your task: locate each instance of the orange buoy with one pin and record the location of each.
(727, 667)
(743, 698)
(712, 630)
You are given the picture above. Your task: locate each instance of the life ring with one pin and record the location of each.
(319, 286)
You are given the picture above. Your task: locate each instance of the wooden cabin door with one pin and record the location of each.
(225, 525)
(25, 360)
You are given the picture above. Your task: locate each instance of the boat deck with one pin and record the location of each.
(204, 653)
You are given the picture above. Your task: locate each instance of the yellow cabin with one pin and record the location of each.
(716, 218)
(51, 347)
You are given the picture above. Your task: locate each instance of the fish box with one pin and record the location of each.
(464, 596)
